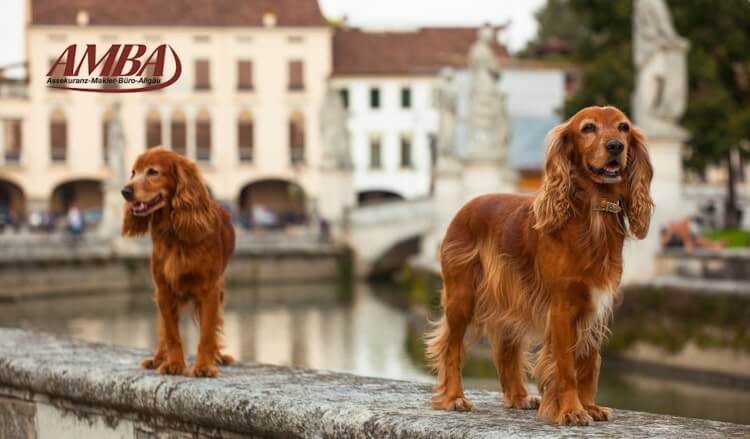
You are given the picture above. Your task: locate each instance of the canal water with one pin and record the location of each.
(311, 326)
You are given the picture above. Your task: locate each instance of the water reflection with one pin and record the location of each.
(303, 325)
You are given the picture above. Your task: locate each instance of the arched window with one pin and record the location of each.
(203, 136)
(245, 136)
(106, 122)
(178, 130)
(297, 138)
(58, 136)
(153, 129)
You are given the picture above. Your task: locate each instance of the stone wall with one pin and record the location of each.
(53, 387)
(80, 273)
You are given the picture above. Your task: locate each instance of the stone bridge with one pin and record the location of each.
(383, 235)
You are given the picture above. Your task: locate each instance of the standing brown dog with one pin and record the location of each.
(192, 240)
(546, 268)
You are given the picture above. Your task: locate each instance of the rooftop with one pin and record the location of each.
(177, 12)
(421, 51)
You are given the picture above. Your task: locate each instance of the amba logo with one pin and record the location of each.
(123, 68)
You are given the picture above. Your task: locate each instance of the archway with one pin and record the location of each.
(12, 203)
(272, 203)
(395, 258)
(377, 196)
(86, 194)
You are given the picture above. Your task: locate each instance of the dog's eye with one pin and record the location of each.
(588, 128)
(151, 172)
(132, 173)
(624, 127)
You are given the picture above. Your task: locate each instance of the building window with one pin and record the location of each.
(245, 137)
(374, 97)
(405, 97)
(58, 134)
(203, 137)
(106, 124)
(178, 131)
(202, 75)
(344, 93)
(296, 75)
(406, 161)
(153, 129)
(375, 153)
(244, 75)
(12, 142)
(297, 138)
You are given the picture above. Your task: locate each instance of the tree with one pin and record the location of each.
(718, 112)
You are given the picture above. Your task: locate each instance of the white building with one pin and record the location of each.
(387, 80)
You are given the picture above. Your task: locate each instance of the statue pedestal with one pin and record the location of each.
(447, 199)
(336, 197)
(112, 213)
(486, 177)
(666, 191)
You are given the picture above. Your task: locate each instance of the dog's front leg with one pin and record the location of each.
(161, 348)
(170, 316)
(560, 402)
(588, 378)
(209, 308)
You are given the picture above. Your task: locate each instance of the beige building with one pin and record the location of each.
(246, 106)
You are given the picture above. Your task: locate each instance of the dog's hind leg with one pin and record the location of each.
(509, 355)
(221, 358)
(445, 343)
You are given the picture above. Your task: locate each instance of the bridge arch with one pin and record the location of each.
(395, 257)
(272, 203)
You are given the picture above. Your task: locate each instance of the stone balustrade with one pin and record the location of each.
(54, 387)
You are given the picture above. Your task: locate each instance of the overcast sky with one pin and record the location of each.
(369, 13)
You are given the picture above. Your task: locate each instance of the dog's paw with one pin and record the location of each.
(152, 362)
(599, 413)
(225, 359)
(204, 371)
(455, 403)
(528, 402)
(574, 417)
(172, 368)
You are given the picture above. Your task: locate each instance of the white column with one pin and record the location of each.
(666, 191)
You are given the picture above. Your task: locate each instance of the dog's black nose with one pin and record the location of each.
(614, 147)
(127, 193)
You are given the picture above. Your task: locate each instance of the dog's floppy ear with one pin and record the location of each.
(553, 206)
(638, 203)
(134, 226)
(192, 216)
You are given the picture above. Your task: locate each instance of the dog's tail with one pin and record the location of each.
(436, 344)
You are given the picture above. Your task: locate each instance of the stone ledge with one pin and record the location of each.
(273, 401)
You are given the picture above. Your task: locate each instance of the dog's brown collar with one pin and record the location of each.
(609, 206)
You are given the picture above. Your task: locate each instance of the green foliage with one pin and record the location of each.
(732, 237)
(600, 34)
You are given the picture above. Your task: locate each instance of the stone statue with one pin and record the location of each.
(116, 150)
(112, 212)
(660, 61)
(488, 119)
(447, 107)
(334, 132)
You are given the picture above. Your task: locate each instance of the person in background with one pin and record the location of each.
(75, 221)
(687, 233)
